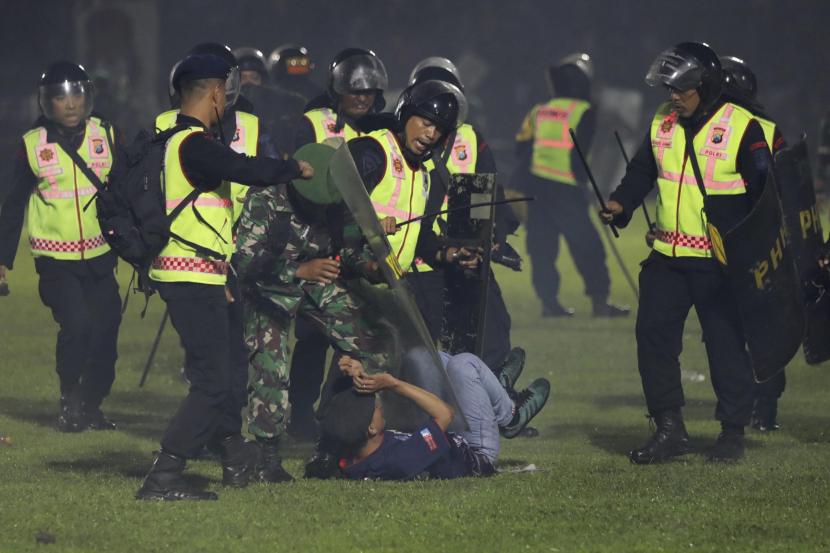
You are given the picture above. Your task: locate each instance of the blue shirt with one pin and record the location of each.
(403, 456)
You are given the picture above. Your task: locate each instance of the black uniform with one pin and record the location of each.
(83, 295)
(670, 286)
(200, 312)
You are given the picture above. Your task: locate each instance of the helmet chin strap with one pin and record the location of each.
(219, 124)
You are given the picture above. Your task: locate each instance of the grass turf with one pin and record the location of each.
(78, 489)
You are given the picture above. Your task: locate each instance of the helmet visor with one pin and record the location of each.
(675, 70)
(358, 73)
(67, 103)
(233, 85)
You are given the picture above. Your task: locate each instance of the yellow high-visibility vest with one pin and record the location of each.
(552, 142)
(58, 225)
(681, 222)
(401, 193)
(178, 262)
(245, 141)
(324, 121)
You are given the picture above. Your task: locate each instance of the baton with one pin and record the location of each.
(154, 349)
(593, 182)
(468, 206)
(625, 157)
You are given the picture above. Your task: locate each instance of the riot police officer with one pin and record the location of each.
(730, 150)
(550, 171)
(291, 67)
(463, 150)
(73, 261)
(191, 277)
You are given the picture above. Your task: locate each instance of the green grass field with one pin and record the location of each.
(585, 497)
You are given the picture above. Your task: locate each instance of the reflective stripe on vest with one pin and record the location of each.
(681, 222)
(178, 262)
(401, 193)
(57, 224)
(552, 142)
(324, 121)
(244, 141)
(769, 132)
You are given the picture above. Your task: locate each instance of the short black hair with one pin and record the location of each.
(346, 421)
(197, 87)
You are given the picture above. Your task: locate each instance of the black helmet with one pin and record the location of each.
(687, 66)
(289, 60)
(223, 51)
(438, 69)
(738, 79)
(65, 78)
(572, 76)
(442, 103)
(357, 69)
(251, 59)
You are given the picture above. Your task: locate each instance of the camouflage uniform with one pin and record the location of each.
(272, 242)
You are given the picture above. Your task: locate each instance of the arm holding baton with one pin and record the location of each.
(593, 184)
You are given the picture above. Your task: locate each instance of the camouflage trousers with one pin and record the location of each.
(337, 315)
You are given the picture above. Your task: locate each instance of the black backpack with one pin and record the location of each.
(131, 207)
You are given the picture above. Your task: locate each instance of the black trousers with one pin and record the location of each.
(307, 367)
(669, 287)
(200, 314)
(239, 354)
(772, 388)
(83, 297)
(561, 210)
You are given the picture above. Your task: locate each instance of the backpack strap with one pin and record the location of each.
(690, 152)
(88, 173)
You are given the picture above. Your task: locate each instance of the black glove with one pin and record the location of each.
(507, 256)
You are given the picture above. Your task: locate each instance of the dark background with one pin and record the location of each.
(502, 48)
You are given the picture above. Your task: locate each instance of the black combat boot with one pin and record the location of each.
(556, 309)
(93, 418)
(601, 308)
(729, 447)
(270, 467)
(164, 482)
(670, 440)
(70, 419)
(239, 459)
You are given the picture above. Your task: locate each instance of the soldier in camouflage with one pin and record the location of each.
(290, 257)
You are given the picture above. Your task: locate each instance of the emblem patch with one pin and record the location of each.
(47, 155)
(430, 441)
(717, 135)
(461, 152)
(98, 146)
(668, 122)
(397, 165)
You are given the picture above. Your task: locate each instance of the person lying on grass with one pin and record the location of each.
(353, 422)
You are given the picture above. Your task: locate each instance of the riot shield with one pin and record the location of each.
(801, 218)
(393, 304)
(465, 301)
(761, 269)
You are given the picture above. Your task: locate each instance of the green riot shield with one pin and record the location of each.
(761, 269)
(392, 304)
(465, 301)
(801, 218)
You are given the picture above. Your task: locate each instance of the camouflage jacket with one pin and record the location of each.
(272, 241)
